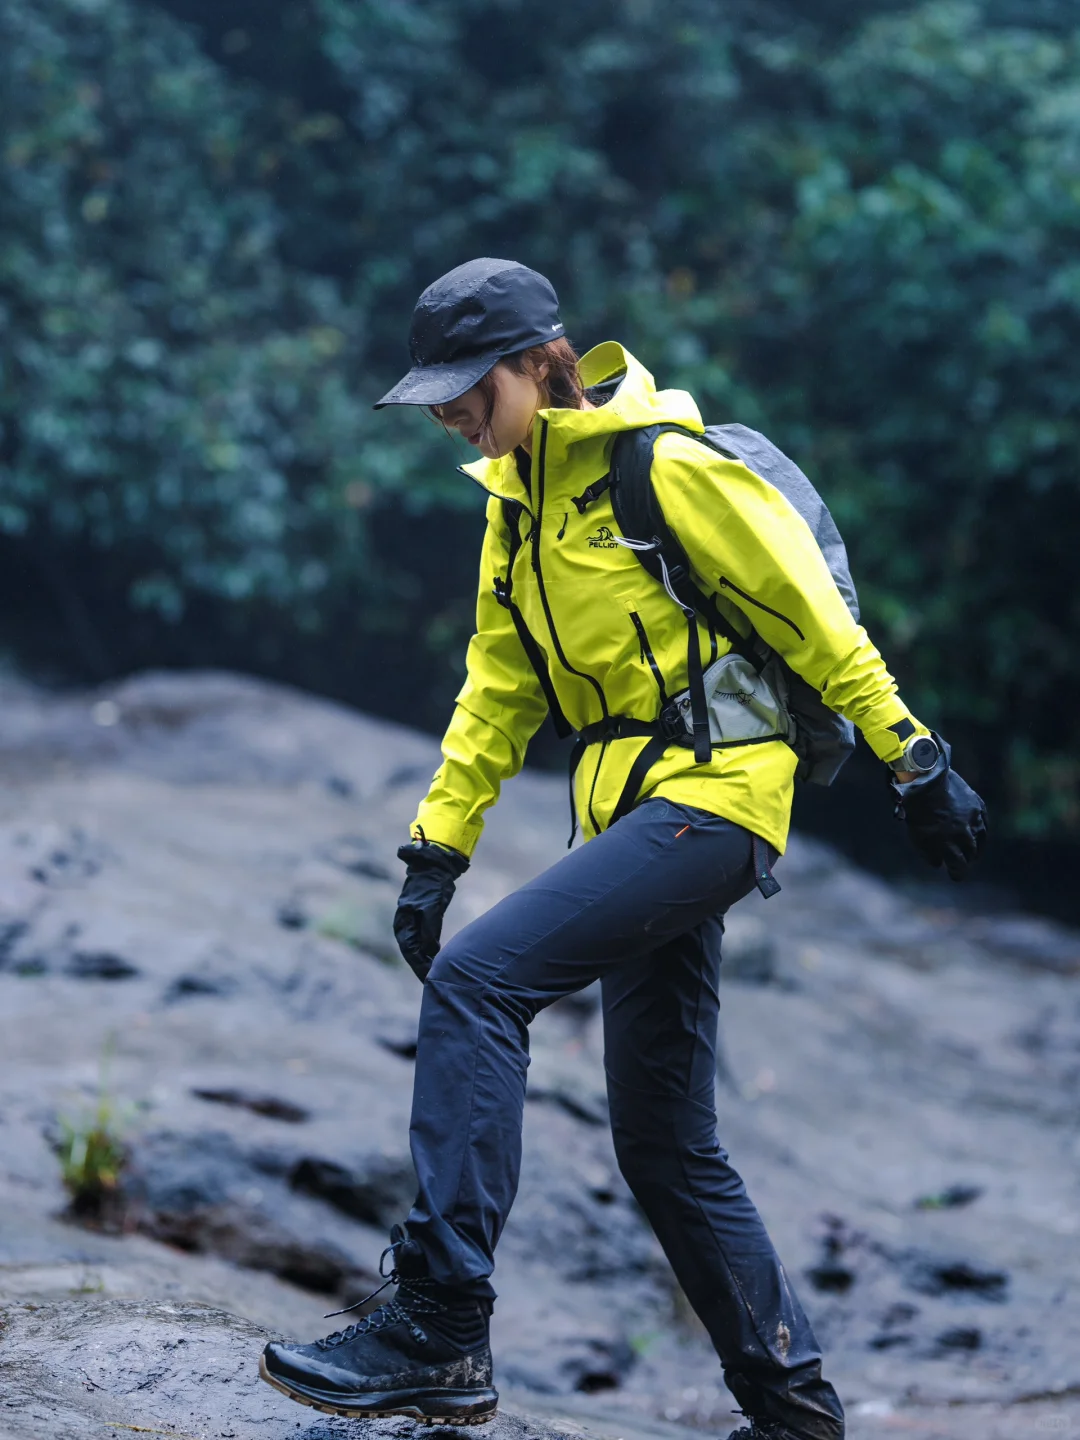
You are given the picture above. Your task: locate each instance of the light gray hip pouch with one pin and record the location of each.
(743, 703)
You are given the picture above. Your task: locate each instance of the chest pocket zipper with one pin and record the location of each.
(647, 655)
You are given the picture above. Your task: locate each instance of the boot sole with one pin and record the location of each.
(430, 1407)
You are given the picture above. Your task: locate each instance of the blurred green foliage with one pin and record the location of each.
(853, 227)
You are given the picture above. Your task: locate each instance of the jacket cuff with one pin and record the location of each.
(446, 828)
(886, 743)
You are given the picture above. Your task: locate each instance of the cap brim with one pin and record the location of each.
(438, 384)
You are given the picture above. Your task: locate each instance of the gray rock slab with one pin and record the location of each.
(197, 875)
(102, 1369)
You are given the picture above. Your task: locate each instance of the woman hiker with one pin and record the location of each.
(570, 619)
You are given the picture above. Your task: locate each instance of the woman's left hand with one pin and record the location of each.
(946, 818)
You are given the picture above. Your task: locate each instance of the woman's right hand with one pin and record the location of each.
(432, 873)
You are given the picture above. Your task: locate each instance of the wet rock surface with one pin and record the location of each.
(94, 1369)
(197, 879)
(102, 1369)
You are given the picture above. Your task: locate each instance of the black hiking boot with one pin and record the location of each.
(763, 1430)
(425, 1353)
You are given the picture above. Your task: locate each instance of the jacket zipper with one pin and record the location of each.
(545, 603)
(647, 654)
(726, 584)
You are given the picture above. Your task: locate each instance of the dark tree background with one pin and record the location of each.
(854, 227)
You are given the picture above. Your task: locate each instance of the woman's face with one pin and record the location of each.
(517, 399)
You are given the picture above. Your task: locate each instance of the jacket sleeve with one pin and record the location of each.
(499, 709)
(749, 544)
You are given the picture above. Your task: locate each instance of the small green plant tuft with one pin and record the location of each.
(93, 1154)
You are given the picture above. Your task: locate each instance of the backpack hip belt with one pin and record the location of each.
(668, 729)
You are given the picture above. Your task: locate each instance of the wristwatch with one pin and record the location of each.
(920, 755)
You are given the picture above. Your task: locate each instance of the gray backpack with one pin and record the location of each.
(751, 694)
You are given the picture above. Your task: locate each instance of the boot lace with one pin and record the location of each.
(409, 1302)
(758, 1430)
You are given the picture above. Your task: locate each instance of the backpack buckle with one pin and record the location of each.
(672, 724)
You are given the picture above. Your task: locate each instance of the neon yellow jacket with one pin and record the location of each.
(588, 603)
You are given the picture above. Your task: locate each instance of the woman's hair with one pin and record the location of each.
(561, 387)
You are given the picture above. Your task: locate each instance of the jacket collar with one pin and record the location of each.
(635, 404)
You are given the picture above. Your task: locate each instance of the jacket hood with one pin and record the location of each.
(635, 404)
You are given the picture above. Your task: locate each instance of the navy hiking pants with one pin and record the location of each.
(641, 908)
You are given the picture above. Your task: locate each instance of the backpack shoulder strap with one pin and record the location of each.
(640, 518)
(511, 514)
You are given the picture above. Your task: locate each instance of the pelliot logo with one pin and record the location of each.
(603, 539)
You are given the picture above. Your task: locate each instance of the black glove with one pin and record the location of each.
(428, 890)
(945, 818)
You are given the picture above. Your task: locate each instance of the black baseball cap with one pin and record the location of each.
(466, 321)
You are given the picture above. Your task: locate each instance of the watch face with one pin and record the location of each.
(923, 753)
